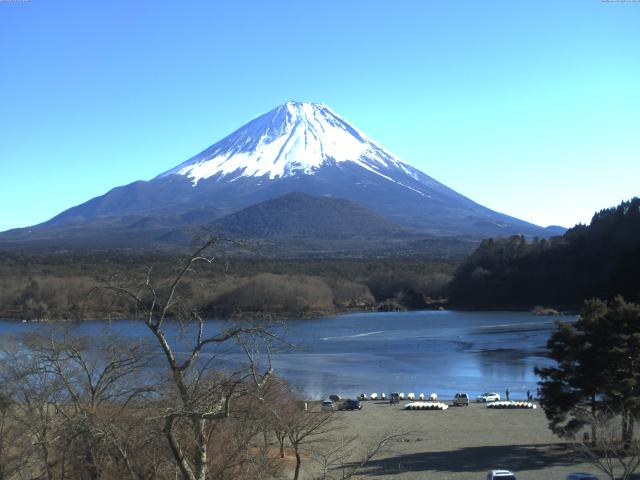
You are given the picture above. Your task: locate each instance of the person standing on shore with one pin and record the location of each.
(506, 393)
(528, 395)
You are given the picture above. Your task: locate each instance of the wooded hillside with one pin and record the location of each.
(599, 260)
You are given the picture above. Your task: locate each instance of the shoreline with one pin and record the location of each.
(283, 317)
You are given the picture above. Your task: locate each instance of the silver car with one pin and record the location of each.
(327, 406)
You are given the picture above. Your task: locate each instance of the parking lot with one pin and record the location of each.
(463, 443)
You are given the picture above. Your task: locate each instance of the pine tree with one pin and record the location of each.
(598, 368)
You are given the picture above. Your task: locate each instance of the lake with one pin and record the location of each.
(421, 352)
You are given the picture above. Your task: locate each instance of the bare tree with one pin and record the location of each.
(71, 396)
(14, 444)
(34, 393)
(614, 452)
(305, 430)
(347, 456)
(200, 395)
(276, 400)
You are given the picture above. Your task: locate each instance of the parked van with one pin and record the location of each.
(461, 400)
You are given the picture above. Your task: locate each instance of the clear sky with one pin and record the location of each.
(530, 108)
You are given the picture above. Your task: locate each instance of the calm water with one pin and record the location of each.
(430, 351)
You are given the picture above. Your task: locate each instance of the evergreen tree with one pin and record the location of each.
(598, 368)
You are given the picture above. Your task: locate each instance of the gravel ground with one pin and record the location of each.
(464, 443)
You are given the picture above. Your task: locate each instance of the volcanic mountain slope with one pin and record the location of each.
(294, 225)
(297, 147)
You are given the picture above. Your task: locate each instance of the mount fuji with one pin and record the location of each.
(298, 147)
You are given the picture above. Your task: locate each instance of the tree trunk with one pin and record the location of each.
(627, 430)
(281, 436)
(298, 462)
(45, 457)
(201, 453)
(593, 423)
(91, 468)
(178, 454)
(63, 463)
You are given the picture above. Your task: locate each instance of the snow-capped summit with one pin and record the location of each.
(294, 138)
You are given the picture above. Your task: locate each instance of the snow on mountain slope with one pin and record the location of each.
(295, 138)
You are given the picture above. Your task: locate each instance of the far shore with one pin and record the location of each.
(304, 315)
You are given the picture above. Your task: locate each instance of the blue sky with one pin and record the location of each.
(530, 108)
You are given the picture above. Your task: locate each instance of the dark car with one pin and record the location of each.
(351, 404)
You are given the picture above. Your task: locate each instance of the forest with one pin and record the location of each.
(63, 285)
(600, 260)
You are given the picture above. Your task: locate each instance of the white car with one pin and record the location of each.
(581, 476)
(500, 475)
(488, 397)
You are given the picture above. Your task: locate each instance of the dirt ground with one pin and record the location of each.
(463, 443)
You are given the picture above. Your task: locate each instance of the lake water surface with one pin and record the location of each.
(422, 352)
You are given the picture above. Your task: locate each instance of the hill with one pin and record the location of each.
(300, 215)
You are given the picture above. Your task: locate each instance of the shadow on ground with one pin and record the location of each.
(475, 459)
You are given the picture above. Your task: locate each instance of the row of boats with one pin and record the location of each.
(444, 406)
(426, 406)
(503, 404)
(400, 396)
